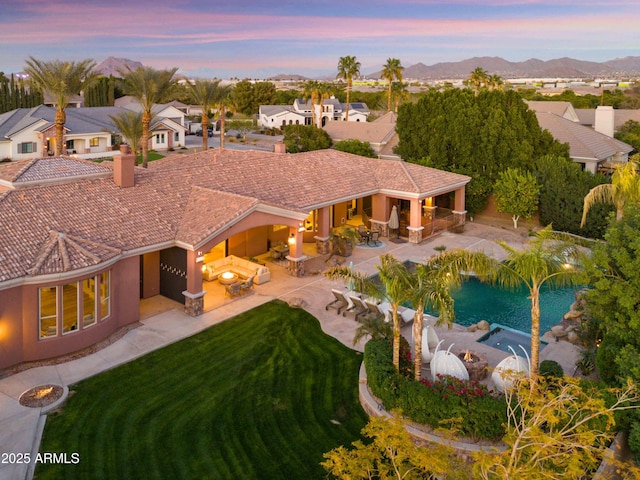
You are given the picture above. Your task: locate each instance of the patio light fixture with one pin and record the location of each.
(292, 240)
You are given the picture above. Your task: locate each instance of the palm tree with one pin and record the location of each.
(478, 78)
(549, 258)
(61, 80)
(495, 82)
(431, 286)
(390, 71)
(207, 94)
(400, 92)
(310, 92)
(129, 126)
(348, 67)
(323, 91)
(149, 87)
(393, 287)
(223, 98)
(623, 189)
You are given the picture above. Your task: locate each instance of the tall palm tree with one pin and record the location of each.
(623, 189)
(129, 126)
(207, 94)
(549, 258)
(310, 92)
(400, 93)
(393, 287)
(431, 286)
(478, 78)
(495, 82)
(348, 67)
(391, 71)
(324, 90)
(223, 98)
(149, 87)
(61, 80)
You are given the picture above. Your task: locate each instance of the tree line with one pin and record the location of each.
(15, 94)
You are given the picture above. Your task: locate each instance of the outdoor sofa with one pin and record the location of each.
(240, 266)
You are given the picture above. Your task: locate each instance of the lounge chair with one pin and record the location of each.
(233, 289)
(358, 307)
(430, 341)
(339, 303)
(245, 286)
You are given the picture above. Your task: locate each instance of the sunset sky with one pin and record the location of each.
(256, 39)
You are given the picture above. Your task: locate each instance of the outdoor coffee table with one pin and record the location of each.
(227, 278)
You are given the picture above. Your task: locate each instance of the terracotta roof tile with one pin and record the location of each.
(182, 198)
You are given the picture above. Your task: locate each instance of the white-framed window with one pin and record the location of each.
(48, 311)
(27, 147)
(159, 137)
(94, 142)
(176, 137)
(70, 144)
(105, 295)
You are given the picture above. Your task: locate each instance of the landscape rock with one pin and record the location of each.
(472, 328)
(483, 325)
(573, 337)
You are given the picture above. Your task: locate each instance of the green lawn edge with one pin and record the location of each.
(261, 395)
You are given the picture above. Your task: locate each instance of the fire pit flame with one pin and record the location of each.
(468, 357)
(43, 392)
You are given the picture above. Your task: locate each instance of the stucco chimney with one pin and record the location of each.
(123, 166)
(604, 120)
(280, 147)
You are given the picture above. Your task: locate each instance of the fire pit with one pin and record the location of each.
(475, 363)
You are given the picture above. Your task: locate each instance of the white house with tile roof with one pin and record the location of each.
(27, 133)
(278, 116)
(380, 134)
(82, 242)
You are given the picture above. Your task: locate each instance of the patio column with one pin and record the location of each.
(459, 213)
(194, 295)
(415, 227)
(295, 258)
(429, 209)
(380, 211)
(322, 239)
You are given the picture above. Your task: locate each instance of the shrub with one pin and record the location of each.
(606, 361)
(634, 441)
(551, 368)
(469, 407)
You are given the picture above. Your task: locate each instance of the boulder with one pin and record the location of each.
(572, 314)
(573, 337)
(472, 328)
(483, 325)
(558, 331)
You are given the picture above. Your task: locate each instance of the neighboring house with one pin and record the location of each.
(83, 242)
(278, 116)
(75, 101)
(27, 133)
(587, 117)
(594, 148)
(381, 134)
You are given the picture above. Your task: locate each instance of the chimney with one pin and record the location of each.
(123, 166)
(604, 120)
(280, 147)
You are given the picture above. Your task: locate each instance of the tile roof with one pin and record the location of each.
(584, 142)
(183, 199)
(50, 169)
(372, 132)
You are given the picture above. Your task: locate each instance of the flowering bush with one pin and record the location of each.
(478, 412)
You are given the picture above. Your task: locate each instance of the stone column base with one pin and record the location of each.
(193, 303)
(429, 212)
(382, 227)
(415, 234)
(322, 245)
(295, 266)
(459, 217)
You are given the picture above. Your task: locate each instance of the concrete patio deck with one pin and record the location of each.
(163, 322)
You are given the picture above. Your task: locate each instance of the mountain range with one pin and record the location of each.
(533, 68)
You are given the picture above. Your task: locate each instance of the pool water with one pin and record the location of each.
(475, 301)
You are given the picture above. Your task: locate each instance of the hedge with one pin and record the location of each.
(477, 412)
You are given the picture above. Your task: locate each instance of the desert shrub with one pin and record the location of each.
(551, 368)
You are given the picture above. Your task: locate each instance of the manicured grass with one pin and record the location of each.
(262, 395)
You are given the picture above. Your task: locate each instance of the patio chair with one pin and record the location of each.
(430, 341)
(374, 238)
(246, 286)
(358, 307)
(233, 289)
(339, 303)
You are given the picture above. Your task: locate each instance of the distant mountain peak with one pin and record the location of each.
(113, 66)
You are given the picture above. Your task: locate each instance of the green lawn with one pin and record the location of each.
(262, 395)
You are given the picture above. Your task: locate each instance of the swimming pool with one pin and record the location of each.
(475, 301)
